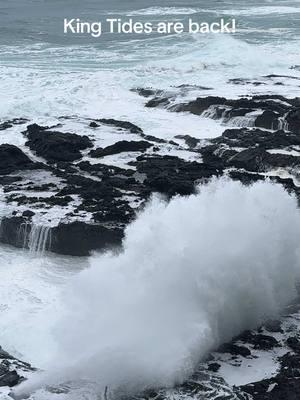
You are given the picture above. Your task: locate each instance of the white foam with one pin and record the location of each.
(188, 280)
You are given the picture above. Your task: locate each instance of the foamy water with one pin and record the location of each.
(175, 293)
(194, 273)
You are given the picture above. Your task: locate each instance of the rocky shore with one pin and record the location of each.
(63, 192)
(262, 364)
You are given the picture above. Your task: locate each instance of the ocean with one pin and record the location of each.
(46, 74)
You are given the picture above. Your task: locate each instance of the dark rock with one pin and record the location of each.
(172, 175)
(201, 104)
(256, 137)
(268, 120)
(10, 379)
(234, 350)
(8, 180)
(5, 355)
(294, 343)
(9, 124)
(121, 124)
(158, 101)
(94, 125)
(293, 120)
(253, 159)
(245, 178)
(189, 140)
(214, 367)
(120, 147)
(79, 238)
(259, 341)
(57, 146)
(28, 214)
(13, 159)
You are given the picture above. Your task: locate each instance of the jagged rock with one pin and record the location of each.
(293, 120)
(201, 104)
(9, 124)
(121, 124)
(259, 341)
(28, 214)
(246, 137)
(258, 160)
(234, 350)
(12, 159)
(214, 367)
(172, 175)
(94, 125)
(294, 343)
(120, 147)
(56, 146)
(79, 238)
(10, 378)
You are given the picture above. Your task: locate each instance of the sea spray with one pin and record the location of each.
(194, 272)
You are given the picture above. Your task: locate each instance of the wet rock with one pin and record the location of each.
(293, 120)
(172, 175)
(12, 159)
(79, 238)
(121, 124)
(57, 146)
(246, 137)
(9, 124)
(190, 141)
(253, 159)
(259, 341)
(28, 214)
(201, 104)
(258, 160)
(121, 147)
(234, 350)
(294, 343)
(94, 125)
(10, 378)
(214, 367)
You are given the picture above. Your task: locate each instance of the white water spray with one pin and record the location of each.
(194, 273)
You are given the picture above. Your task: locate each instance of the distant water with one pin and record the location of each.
(45, 73)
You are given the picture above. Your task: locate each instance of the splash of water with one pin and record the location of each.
(194, 272)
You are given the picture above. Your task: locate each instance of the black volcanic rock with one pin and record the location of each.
(12, 159)
(56, 146)
(252, 159)
(121, 147)
(79, 238)
(234, 349)
(245, 137)
(172, 175)
(293, 120)
(258, 160)
(121, 124)
(201, 104)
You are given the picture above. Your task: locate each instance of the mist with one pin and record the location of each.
(194, 272)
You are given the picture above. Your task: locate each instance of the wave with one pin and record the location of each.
(166, 11)
(264, 10)
(194, 272)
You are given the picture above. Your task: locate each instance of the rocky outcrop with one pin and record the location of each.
(120, 124)
(264, 111)
(11, 369)
(56, 146)
(12, 159)
(94, 202)
(123, 146)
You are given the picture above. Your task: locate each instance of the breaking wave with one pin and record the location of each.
(194, 272)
